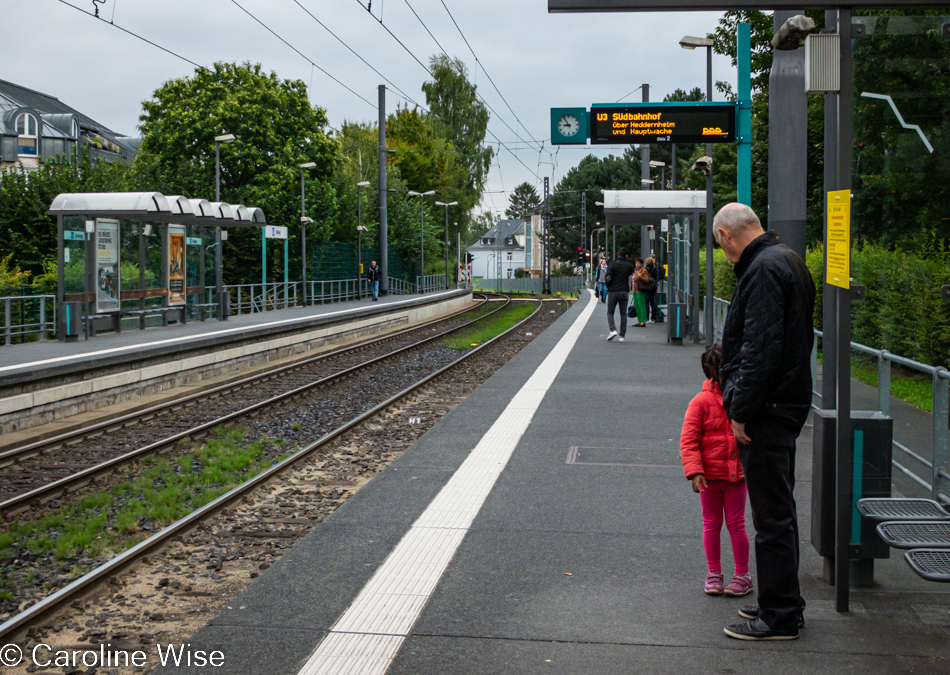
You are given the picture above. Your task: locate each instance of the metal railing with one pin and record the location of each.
(253, 298)
(431, 283)
(568, 284)
(28, 318)
(400, 287)
(938, 467)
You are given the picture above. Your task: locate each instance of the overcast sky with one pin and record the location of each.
(537, 60)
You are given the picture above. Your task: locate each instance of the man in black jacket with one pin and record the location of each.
(373, 275)
(618, 293)
(767, 390)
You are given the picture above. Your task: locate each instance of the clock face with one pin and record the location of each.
(568, 125)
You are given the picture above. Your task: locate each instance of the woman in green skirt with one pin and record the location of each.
(641, 284)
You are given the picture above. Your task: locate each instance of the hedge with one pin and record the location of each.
(903, 312)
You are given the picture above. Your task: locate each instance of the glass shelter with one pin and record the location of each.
(136, 259)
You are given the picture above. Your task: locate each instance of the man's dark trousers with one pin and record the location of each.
(769, 466)
(614, 299)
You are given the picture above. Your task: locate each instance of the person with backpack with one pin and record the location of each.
(618, 288)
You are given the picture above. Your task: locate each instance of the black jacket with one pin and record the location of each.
(768, 336)
(619, 272)
(373, 274)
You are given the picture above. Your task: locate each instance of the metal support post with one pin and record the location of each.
(546, 262)
(843, 443)
(383, 194)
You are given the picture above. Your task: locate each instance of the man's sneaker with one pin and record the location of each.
(651, 321)
(612, 335)
(621, 339)
(713, 584)
(752, 612)
(740, 585)
(757, 629)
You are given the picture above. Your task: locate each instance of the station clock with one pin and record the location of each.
(569, 126)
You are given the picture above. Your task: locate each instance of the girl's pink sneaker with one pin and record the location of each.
(713, 584)
(740, 585)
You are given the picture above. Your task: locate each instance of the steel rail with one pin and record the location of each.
(53, 602)
(80, 478)
(71, 437)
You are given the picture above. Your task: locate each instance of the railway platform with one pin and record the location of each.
(545, 526)
(61, 384)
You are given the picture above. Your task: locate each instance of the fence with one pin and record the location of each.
(938, 467)
(431, 282)
(28, 318)
(568, 284)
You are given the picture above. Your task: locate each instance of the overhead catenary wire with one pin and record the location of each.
(478, 63)
(307, 58)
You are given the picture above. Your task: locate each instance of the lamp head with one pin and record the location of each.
(691, 42)
(224, 138)
(308, 165)
(656, 163)
(362, 183)
(306, 220)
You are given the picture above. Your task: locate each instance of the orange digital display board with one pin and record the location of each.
(663, 123)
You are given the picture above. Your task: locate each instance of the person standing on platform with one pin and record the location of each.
(602, 280)
(767, 391)
(641, 282)
(618, 288)
(373, 275)
(653, 311)
(711, 464)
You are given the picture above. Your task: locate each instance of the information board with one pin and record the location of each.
(176, 265)
(663, 123)
(107, 266)
(838, 271)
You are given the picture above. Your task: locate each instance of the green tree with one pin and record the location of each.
(27, 233)
(464, 120)
(522, 201)
(277, 130)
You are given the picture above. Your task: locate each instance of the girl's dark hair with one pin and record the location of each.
(711, 361)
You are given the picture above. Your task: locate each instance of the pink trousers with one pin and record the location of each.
(725, 497)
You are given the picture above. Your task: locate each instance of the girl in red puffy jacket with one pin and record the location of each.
(711, 463)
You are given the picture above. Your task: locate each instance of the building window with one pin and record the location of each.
(509, 256)
(26, 130)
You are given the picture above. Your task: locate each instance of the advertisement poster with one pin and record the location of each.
(107, 266)
(176, 265)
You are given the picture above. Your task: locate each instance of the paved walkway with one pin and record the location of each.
(545, 526)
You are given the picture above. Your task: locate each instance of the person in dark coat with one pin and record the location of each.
(618, 290)
(653, 310)
(767, 391)
(373, 275)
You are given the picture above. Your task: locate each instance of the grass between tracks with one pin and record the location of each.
(491, 327)
(106, 523)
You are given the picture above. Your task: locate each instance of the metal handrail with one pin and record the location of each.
(38, 321)
(939, 483)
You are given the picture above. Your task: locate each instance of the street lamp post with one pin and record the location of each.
(303, 228)
(359, 236)
(662, 166)
(446, 205)
(593, 232)
(689, 42)
(422, 235)
(218, 272)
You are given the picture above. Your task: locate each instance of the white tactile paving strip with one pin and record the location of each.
(366, 639)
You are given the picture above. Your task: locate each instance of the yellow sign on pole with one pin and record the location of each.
(838, 269)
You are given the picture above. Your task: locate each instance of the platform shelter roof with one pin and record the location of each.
(154, 206)
(643, 207)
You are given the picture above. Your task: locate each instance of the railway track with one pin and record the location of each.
(65, 595)
(33, 473)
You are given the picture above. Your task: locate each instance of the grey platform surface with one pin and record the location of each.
(594, 566)
(33, 359)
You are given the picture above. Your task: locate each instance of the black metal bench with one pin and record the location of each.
(921, 525)
(203, 307)
(152, 311)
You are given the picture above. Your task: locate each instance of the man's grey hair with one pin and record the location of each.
(736, 218)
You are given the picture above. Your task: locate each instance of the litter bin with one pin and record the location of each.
(871, 436)
(661, 305)
(70, 321)
(676, 316)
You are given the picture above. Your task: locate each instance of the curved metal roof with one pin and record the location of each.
(110, 204)
(157, 207)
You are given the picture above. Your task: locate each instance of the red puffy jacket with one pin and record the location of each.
(707, 444)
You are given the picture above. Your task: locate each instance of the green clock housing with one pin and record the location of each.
(569, 126)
